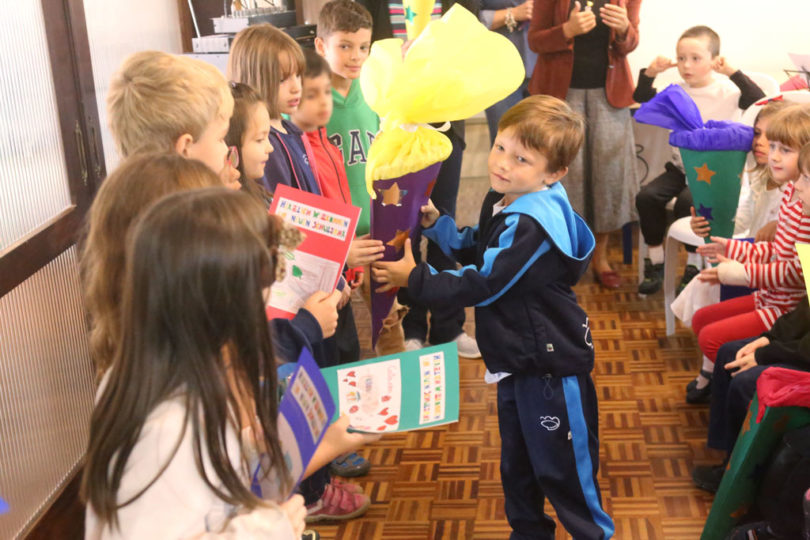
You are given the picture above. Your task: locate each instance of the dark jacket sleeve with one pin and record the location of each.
(290, 336)
(792, 325)
(790, 339)
(750, 92)
(520, 244)
(644, 88)
(459, 244)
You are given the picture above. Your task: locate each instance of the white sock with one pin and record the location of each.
(655, 254)
(694, 259)
(702, 381)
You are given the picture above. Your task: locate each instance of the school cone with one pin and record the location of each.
(395, 218)
(714, 178)
(713, 154)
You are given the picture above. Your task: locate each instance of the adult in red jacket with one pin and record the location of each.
(582, 58)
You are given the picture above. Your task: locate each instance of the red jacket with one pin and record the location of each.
(555, 60)
(328, 166)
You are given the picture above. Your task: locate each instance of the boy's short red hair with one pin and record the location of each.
(548, 125)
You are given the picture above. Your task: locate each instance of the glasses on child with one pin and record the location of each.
(233, 157)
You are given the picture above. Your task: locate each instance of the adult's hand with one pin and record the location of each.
(579, 21)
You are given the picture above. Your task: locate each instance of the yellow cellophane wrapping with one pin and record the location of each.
(455, 69)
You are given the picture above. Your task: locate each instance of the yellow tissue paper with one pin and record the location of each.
(455, 69)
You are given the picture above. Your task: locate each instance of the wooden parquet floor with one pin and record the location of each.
(444, 483)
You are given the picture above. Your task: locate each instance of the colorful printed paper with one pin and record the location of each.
(316, 265)
(410, 390)
(304, 413)
(395, 218)
(747, 462)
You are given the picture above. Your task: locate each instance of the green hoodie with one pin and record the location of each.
(352, 128)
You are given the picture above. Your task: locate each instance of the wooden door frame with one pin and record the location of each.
(71, 68)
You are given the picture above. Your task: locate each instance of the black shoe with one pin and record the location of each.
(695, 395)
(708, 477)
(653, 277)
(759, 530)
(688, 275)
(699, 395)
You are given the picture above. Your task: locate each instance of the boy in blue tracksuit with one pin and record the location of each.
(527, 251)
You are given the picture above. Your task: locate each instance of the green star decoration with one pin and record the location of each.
(410, 14)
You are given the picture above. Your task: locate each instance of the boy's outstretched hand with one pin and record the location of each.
(364, 251)
(429, 215)
(394, 273)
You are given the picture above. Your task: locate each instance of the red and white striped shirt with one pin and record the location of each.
(774, 267)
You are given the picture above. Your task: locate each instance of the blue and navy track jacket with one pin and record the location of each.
(524, 261)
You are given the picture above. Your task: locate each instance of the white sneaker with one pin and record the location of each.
(467, 346)
(414, 344)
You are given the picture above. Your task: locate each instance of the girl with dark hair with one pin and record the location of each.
(248, 132)
(191, 392)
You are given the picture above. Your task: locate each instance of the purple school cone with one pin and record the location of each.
(395, 218)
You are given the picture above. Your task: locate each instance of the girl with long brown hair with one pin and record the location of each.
(193, 371)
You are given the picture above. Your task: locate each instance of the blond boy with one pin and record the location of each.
(161, 102)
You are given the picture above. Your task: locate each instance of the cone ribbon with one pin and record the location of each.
(454, 69)
(713, 155)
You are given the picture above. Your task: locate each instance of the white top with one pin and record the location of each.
(180, 504)
(718, 100)
(758, 206)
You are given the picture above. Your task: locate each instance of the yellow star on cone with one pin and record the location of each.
(704, 174)
(398, 241)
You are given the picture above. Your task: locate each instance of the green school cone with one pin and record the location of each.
(714, 178)
(743, 474)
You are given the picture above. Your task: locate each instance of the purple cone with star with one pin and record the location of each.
(395, 218)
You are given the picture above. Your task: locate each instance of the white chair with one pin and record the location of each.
(680, 232)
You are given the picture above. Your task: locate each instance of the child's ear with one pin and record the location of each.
(183, 144)
(556, 176)
(320, 46)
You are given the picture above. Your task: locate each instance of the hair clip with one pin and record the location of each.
(289, 238)
(765, 101)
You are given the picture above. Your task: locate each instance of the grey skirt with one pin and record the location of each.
(602, 182)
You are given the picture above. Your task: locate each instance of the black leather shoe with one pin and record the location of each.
(708, 477)
(697, 395)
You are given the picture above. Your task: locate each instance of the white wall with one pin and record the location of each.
(755, 35)
(117, 29)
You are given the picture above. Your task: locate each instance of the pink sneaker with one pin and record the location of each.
(354, 489)
(338, 503)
